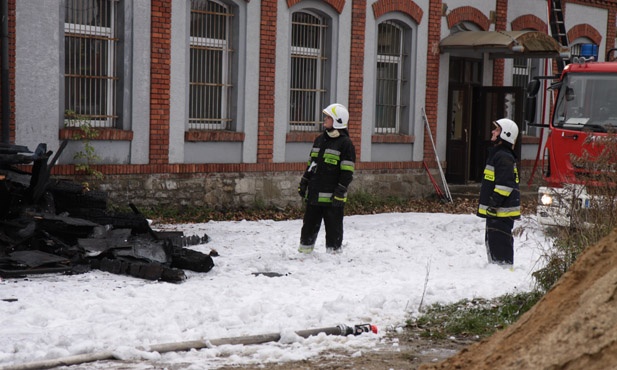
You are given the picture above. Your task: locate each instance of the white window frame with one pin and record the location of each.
(109, 33)
(320, 89)
(399, 61)
(224, 46)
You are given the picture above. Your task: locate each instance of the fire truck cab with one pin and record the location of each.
(584, 113)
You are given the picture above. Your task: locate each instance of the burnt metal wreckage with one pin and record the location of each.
(52, 225)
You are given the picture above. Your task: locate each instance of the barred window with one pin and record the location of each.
(210, 70)
(390, 98)
(523, 71)
(90, 75)
(520, 72)
(308, 71)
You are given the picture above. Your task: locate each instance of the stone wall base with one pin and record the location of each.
(246, 189)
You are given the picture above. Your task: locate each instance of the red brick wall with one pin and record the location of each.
(188, 168)
(468, 14)
(410, 8)
(501, 20)
(584, 30)
(338, 5)
(432, 75)
(160, 68)
(611, 33)
(160, 82)
(526, 22)
(356, 73)
(529, 22)
(11, 72)
(267, 68)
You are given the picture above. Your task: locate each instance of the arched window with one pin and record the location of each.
(210, 86)
(90, 63)
(308, 91)
(392, 99)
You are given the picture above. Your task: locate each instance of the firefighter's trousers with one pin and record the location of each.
(499, 240)
(333, 221)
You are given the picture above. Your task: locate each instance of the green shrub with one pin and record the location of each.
(473, 318)
(87, 156)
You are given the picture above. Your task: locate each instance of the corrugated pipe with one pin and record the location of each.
(189, 345)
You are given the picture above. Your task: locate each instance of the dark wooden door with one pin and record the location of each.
(459, 130)
(490, 104)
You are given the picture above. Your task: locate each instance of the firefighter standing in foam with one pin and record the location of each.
(500, 201)
(326, 179)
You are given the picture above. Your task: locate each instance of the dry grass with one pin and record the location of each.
(359, 205)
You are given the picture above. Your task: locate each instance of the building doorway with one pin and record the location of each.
(471, 110)
(492, 104)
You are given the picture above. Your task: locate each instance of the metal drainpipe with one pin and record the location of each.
(4, 79)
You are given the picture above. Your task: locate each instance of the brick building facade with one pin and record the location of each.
(155, 148)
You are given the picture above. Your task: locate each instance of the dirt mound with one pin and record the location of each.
(574, 326)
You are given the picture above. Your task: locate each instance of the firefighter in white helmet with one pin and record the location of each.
(325, 182)
(500, 201)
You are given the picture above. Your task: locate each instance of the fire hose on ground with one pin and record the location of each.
(342, 329)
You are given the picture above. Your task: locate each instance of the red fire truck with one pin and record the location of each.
(583, 116)
(582, 126)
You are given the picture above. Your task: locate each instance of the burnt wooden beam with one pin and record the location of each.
(13, 149)
(42, 169)
(50, 225)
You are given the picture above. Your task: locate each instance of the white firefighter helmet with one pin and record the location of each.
(509, 130)
(339, 114)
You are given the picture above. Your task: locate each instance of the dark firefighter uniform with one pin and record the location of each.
(500, 203)
(329, 172)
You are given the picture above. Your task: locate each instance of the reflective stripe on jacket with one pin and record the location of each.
(500, 184)
(331, 162)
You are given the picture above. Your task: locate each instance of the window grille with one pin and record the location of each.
(523, 71)
(210, 70)
(390, 78)
(520, 72)
(90, 75)
(308, 61)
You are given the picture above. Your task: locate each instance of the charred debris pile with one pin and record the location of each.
(54, 226)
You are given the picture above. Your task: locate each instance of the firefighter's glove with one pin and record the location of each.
(493, 203)
(302, 187)
(340, 196)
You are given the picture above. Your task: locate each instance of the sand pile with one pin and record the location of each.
(573, 327)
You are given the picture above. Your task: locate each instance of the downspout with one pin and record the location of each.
(4, 79)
